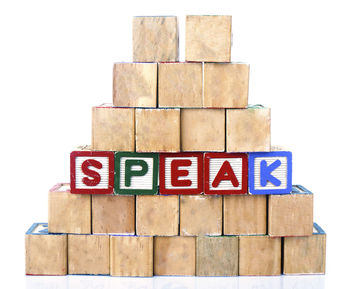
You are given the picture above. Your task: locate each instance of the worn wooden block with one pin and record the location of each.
(46, 254)
(113, 214)
(131, 256)
(157, 130)
(175, 256)
(157, 215)
(200, 215)
(113, 129)
(69, 213)
(217, 256)
(291, 214)
(180, 85)
(135, 84)
(259, 255)
(248, 130)
(245, 215)
(208, 38)
(88, 254)
(203, 129)
(226, 85)
(305, 255)
(155, 39)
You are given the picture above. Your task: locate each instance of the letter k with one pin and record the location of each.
(265, 173)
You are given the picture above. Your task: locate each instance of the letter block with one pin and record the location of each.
(46, 254)
(225, 174)
(305, 255)
(181, 173)
(270, 173)
(136, 173)
(92, 172)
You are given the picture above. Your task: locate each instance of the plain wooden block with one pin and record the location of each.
(88, 254)
(291, 214)
(113, 214)
(260, 256)
(131, 256)
(46, 254)
(248, 130)
(175, 256)
(157, 215)
(226, 85)
(245, 215)
(203, 129)
(208, 38)
(69, 213)
(200, 215)
(113, 129)
(305, 255)
(180, 85)
(157, 130)
(217, 256)
(155, 39)
(135, 84)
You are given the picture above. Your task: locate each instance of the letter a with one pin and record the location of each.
(225, 174)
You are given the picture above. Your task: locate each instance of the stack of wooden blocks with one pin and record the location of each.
(181, 178)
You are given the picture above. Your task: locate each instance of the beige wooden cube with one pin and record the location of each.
(113, 129)
(180, 85)
(88, 254)
(46, 254)
(157, 130)
(200, 215)
(208, 38)
(245, 215)
(260, 256)
(217, 256)
(155, 39)
(69, 213)
(113, 214)
(175, 256)
(226, 85)
(131, 256)
(157, 215)
(203, 129)
(248, 130)
(135, 84)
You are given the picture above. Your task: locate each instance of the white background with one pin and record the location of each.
(56, 63)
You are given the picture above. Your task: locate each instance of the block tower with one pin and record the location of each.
(180, 178)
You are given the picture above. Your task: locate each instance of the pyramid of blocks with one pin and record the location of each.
(180, 178)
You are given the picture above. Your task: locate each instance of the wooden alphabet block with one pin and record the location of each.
(260, 256)
(175, 256)
(226, 85)
(203, 129)
(113, 129)
(248, 130)
(217, 256)
(46, 254)
(88, 254)
(245, 215)
(136, 173)
(157, 130)
(180, 85)
(135, 84)
(305, 255)
(155, 39)
(291, 214)
(131, 256)
(113, 214)
(69, 213)
(200, 215)
(208, 38)
(157, 215)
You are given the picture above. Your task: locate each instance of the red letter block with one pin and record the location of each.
(225, 174)
(181, 173)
